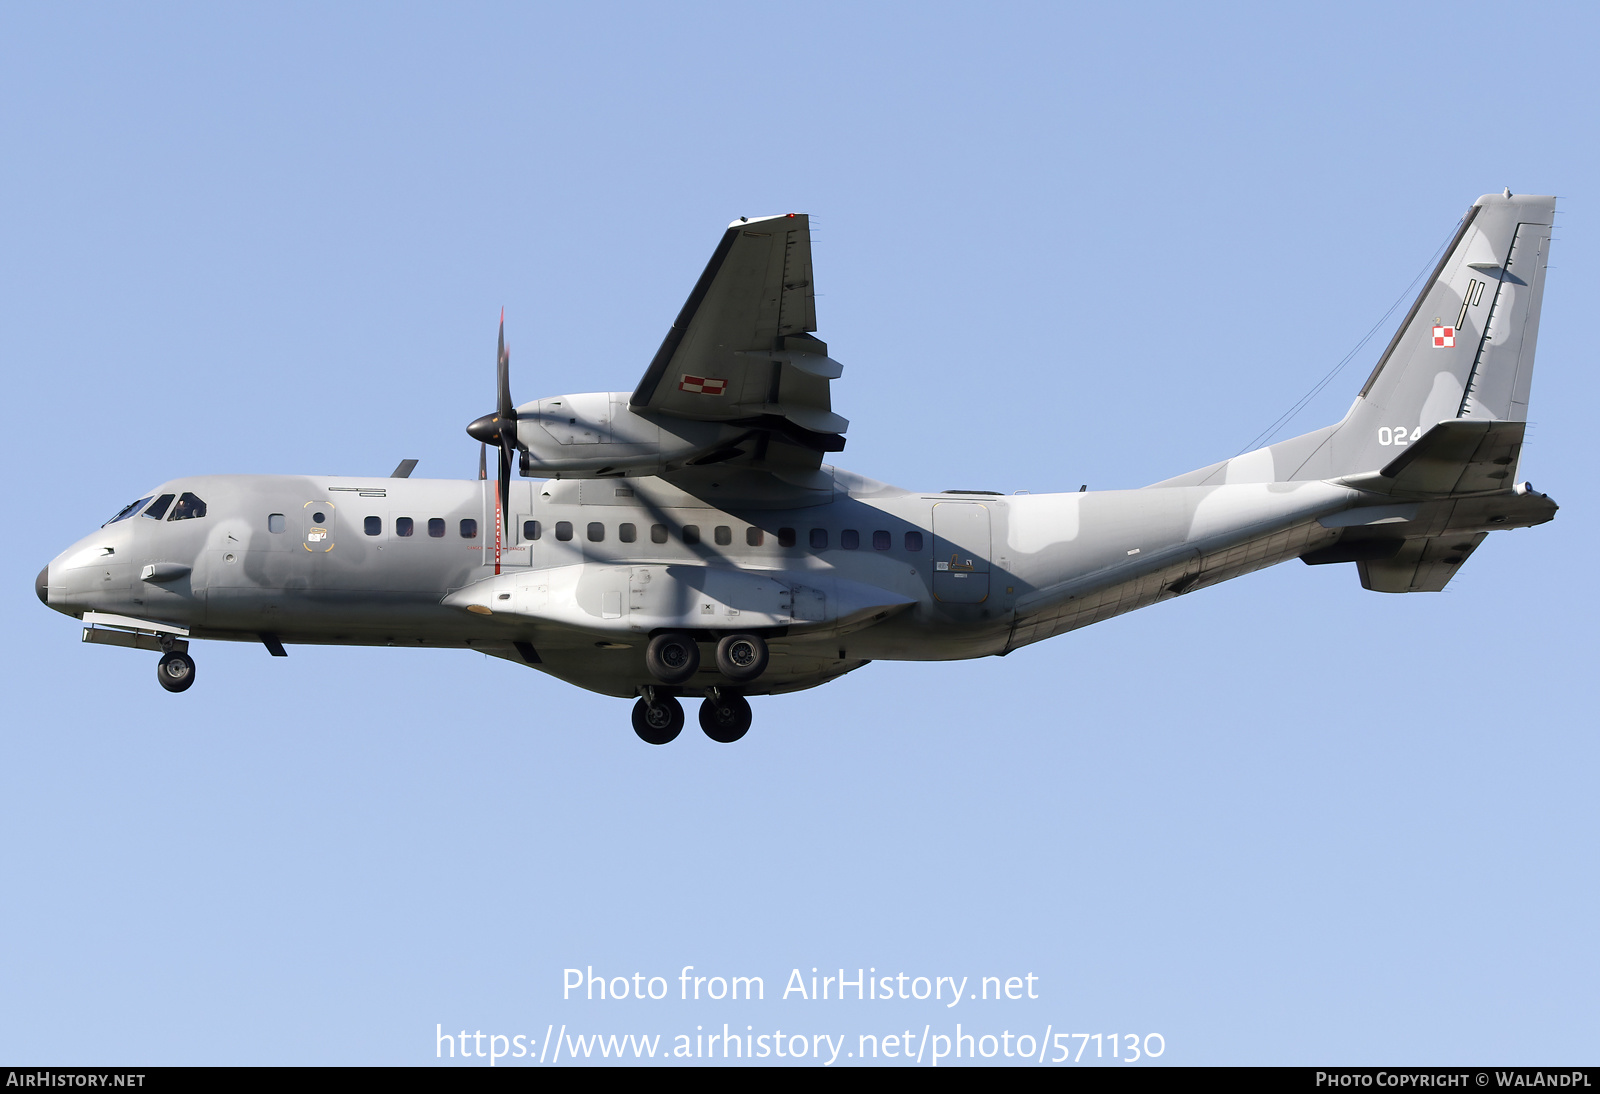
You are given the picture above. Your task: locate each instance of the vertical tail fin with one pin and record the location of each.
(1466, 348)
(1464, 351)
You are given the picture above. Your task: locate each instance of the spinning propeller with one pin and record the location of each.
(500, 429)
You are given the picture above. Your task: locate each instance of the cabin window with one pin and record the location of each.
(754, 536)
(563, 530)
(373, 526)
(785, 537)
(691, 534)
(913, 542)
(436, 527)
(127, 511)
(274, 522)
(531, 530)
(881, 541)
(627, 533)
(404, 526)
(188, 508)
(469, 528)
(819, 539)
(658, 533)
(849, 539)
(597, 532)
(723, 535)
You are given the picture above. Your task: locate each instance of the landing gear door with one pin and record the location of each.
(961, 547)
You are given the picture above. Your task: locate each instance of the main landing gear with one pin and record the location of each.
(742, 657)
(673, 658)
(658, 719)
(724, 716)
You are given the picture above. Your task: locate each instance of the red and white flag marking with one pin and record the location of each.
(1444, 337)
(703, 385)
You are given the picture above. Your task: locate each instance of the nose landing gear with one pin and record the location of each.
(175, 671)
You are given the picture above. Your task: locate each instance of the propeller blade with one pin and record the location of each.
(501, 426)
(483, 461)
(503, 405)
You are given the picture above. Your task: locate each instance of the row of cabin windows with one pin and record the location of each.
(403, 526)
(722, 535)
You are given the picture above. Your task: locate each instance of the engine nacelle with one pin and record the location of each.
(597, 434)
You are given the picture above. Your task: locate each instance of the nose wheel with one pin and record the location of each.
(725, 717)
(175, 671)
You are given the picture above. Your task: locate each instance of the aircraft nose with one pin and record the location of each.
(41, 585)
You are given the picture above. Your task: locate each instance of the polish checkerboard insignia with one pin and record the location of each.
(702, 385)
(1444, 337)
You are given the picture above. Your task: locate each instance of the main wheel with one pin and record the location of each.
(672, 658)
(660, 722)
(727, 721)
(742, 657)
(175, 671)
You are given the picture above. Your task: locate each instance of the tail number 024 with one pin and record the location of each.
(1397, 435)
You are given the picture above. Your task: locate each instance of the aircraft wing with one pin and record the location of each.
(741, 350)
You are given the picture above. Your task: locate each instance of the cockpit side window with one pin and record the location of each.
(127, 511)
(158, 508)
(188, 508)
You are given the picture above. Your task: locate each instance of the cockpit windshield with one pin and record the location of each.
(158, 508)
(127, 511)
(188, 508)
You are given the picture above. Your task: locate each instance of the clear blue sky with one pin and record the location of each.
(1284, 820)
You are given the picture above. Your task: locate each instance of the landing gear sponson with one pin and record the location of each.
(673, 658)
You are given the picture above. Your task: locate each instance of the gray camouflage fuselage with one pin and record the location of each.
(700, 506)
(1040, 565)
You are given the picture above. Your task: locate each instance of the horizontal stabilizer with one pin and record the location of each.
(1459, 456)
(1420, 566)
(1464, 456)
(1417, 546)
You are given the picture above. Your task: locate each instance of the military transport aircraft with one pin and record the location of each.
(688, 539)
